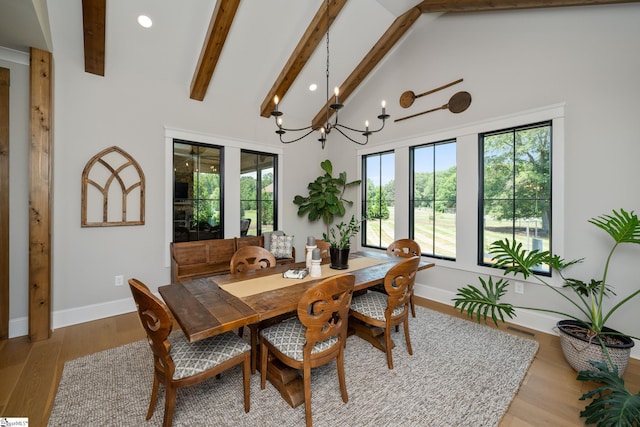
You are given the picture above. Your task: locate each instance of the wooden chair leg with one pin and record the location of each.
(413, 307)
(154, 397)
(264, 354)
(254, 347)
(307, 393)
(406, 336)
(387, 339)
(169, 406)
(246, 381)
(341, 378)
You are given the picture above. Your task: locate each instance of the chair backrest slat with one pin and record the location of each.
(399, 281)
(249, 258)
(404, 248)
(324, 309)
(157, 322)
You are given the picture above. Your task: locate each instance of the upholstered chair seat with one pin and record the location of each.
(373, 305)
(193, 358)
(289, 337)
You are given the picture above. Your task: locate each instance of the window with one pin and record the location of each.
(433, 198)
(515, 191)
(258, 190)
(378, 199)
(197, 191)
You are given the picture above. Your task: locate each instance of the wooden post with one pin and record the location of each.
(4, 204)
(40, 196)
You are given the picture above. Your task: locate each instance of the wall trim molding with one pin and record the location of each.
(14, 56)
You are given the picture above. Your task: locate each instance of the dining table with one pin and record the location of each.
(212, 305)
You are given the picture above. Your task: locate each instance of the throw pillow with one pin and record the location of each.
(281, 246)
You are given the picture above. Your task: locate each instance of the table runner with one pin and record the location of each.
(258, 285)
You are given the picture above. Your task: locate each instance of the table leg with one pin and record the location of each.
(372, 334)
(286, 380)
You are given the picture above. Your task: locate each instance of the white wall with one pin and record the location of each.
(18, 65)
(511, 62)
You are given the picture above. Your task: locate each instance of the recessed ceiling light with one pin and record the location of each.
(145, 21)
(313, 87)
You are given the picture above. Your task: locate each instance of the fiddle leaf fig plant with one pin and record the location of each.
(326, 196)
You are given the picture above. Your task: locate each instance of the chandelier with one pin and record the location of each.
(331, 109)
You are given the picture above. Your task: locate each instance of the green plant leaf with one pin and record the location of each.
(587, 289)
(327, 166)
(483, 303)
(623, 226)
(612, 404)
(511, 256)
(325, 199)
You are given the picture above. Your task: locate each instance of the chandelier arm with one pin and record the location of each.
(349, 138)
(297, 139)
(292, 130)
(340, 125)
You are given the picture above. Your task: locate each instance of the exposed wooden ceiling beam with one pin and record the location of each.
(93, 23)
(399, 27)
(451, 6)
(219, 27)
(306, 46)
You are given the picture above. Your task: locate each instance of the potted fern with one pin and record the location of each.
(602, 353)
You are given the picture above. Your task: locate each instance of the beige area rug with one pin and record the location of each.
(461, 374)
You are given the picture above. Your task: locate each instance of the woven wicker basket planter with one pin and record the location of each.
(578, 350)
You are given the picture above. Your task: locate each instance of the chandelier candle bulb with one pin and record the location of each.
(384, 104)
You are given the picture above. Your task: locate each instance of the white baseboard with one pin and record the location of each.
(20, 326)
(527, 318)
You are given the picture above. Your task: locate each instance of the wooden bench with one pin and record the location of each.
(192, 260)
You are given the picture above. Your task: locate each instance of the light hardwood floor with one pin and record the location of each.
(30, 372)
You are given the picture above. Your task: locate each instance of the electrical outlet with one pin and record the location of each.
(119, 280)
(519, 287)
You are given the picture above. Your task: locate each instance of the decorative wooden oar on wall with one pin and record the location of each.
(407, 98)
(459, 102)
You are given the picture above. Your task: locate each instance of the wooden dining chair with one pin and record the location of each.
(179, 363)
(405, 248)
(315, 337)
(249, 258)
(391, 308)
(325, 255)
